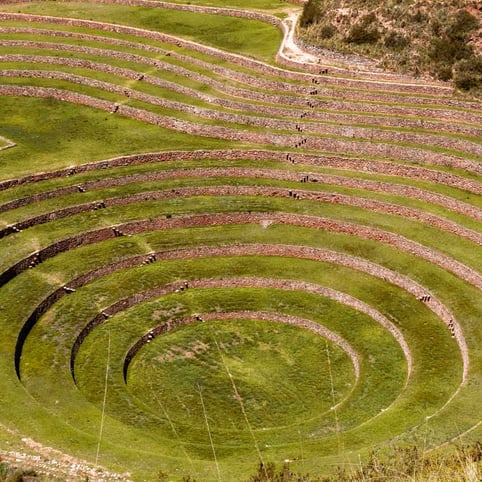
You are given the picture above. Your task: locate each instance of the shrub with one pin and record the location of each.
(461, 26)
(368, 19)
(311, 13)
(9, 473)
(468, 73)
(4, 469)
(448, 50)
(327, 31)
(162, 476)
(401, 464)
(443, 71)
(365, 31)
(452, 56)
(436, 28)
(395, 41)
(267, 473)
(360, 34)
(419, 17)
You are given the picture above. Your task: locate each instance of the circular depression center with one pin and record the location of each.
(238, 372)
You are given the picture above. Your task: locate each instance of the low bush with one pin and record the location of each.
(359, 34)
(461, 26)
(468, 73)
(448, 50)
(311, 13)
(442, 71)
(327, 31)
(452, 55)
(395, 40)
(366, 31)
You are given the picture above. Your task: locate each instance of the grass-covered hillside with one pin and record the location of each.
(438, 38)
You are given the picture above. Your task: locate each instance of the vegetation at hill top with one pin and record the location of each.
(415, 36)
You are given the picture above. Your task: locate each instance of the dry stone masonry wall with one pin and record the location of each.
(411, 154)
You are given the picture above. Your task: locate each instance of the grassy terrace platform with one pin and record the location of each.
(212, 255)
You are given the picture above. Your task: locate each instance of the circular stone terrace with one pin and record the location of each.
(288, 269)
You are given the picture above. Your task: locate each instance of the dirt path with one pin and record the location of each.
(288, 49)
(350, 64)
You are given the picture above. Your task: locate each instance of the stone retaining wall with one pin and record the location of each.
(244, 61)
(320, 80)
(311, 177)
(331, 225)
(294, 194)
(306, 127)
(7, 142)
(328, 111)
(333, 162)
(391, 239)
(273, 250)
(251, 81)
(472, 113)
(411, 154)
(299, 322)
